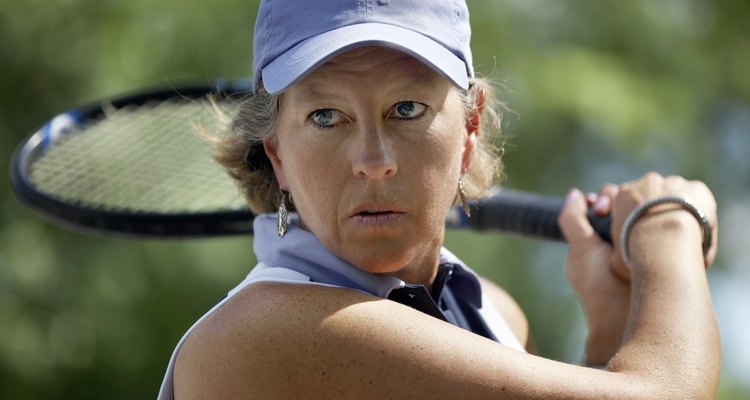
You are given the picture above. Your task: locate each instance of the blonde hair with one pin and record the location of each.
(241, 151)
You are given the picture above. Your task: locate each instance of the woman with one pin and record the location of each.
(367, 121)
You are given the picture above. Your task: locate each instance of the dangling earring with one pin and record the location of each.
(462, 195)
(282, 216)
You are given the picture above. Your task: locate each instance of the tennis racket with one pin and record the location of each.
(135, 166)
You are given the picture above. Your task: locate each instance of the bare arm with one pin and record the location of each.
(672, 322)
(339, 343)
(656, 314)
(289, 341)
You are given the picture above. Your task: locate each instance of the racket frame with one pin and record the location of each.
(125, 223)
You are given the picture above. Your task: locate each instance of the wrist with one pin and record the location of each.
(669, 218)
(662, 236)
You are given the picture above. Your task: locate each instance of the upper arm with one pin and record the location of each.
(302, 341)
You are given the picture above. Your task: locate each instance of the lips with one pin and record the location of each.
(376, 214)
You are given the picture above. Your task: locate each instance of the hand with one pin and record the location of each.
(604, 295)
(597, 271)
(651, 186)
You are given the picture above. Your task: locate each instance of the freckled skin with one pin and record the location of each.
(371, 158)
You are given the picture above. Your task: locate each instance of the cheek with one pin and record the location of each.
(443, 152)
(310, 169)
(304, 159)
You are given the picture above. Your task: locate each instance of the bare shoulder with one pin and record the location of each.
(256, 340)
(303, 341)
(509, 309)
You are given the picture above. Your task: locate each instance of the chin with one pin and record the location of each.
(383, 260)
(381, 266)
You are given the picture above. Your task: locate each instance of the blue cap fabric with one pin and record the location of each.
(293, 37)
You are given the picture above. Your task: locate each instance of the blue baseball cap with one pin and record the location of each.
(294, 37)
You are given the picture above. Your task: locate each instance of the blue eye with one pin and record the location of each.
(325, 117)
(409, 110)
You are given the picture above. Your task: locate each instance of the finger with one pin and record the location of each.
(603, 203)
(573, 221)
(591, 198)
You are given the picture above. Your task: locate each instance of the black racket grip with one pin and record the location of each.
(528, 214)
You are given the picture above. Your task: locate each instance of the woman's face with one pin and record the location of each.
(371, 145)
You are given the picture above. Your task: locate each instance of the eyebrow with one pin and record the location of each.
(317, 92)
(314, 93)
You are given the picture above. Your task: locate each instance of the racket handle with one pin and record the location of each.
(528, 214)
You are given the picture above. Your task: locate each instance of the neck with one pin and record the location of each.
(423, 268)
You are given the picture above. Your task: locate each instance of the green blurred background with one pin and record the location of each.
(601, 91)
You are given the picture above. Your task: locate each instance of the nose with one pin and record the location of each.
(373, 156)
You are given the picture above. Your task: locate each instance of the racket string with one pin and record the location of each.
(146, 158)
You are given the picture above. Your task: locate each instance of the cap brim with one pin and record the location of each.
(305, 57)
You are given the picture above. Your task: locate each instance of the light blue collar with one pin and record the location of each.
(301, 251)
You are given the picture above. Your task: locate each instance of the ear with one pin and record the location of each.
(278, 167)
(473, 122)
(469, 144)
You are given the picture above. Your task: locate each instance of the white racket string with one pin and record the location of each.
(146, 158)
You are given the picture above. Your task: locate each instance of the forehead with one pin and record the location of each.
(370, 67)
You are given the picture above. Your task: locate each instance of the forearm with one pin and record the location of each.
(672, 338)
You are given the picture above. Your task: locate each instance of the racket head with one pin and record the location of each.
(89, 169)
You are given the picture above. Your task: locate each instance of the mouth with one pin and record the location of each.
(376, 215)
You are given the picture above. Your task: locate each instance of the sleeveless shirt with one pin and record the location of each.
(300, 258)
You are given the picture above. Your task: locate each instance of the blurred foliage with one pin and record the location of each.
(600, 91)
